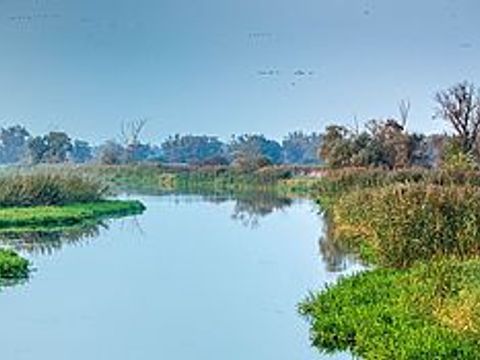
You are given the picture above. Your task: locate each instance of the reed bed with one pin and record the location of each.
(337, 182)
(49, 187)
(400, 224)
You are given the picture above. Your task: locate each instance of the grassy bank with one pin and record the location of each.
(421, 231)
(157, 178)
(23, 218)
(51, 199)
(430, 311)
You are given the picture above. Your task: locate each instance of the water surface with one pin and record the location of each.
(191, 278)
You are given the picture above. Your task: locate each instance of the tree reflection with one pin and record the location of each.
(337, 255)
(250, 208)
(46, 242)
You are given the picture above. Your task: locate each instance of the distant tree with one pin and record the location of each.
(130, 134)
(336, 149)
(301, 148)
(131, 130)
(393, 141)
(254, 150)
(193, 149)
(81, 152)
(36, 149)
(59, 145)
(383, 143)
(111, 153)
(13, 143)
(459, 105)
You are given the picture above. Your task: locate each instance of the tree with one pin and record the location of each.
(36, 149)
(13, 143)
(301, 148)
(112, 153)
(194, 149)
(58, 146)
(130, 136)
(81, 152)
(393, 141)
(459, 105)
(254, 150)
(336, 149)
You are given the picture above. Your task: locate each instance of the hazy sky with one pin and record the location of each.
(229, 66)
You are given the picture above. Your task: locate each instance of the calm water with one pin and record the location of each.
(191, 278)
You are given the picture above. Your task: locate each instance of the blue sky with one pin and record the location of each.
(223, 66)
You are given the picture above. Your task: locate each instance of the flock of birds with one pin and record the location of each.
(33, 17)
(298, 74)
(293, 76)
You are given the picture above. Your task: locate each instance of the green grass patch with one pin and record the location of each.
(426, 312)
(36, 217)
(12, 266)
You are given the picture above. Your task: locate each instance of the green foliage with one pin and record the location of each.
(422, 228)
(12, 266)
(394, 314)
(53, 147)
(192, 149)
(252, 148)
(65, 215)
(456, 159)
(157, 178)
(382, 144)
(48, 187)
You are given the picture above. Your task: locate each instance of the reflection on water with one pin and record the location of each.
(336, 255)
(47, 242)
(4, 283)
(195, 276)
(249, 209)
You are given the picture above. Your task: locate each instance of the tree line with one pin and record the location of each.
(385, 143)
(18, 145)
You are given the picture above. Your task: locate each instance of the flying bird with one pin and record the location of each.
(270, 72)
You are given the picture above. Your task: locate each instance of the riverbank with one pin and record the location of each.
(418, 232)
(51, 200)
(41, 217)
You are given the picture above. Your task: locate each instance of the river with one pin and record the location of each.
(194, 277)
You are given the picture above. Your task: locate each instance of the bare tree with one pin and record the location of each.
(130, 131)
(459, 105)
